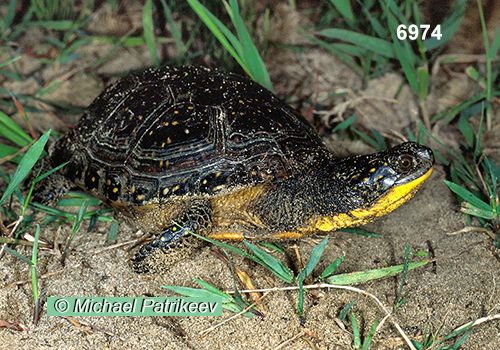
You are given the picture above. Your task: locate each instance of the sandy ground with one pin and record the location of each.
(454, 290)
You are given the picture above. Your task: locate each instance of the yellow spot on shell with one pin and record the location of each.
(109, 182)
(176, 187)
(165, 191)
(132, 189)
(176, 112)
(217, 188)
(163, 144)
(93, 179)
(169, 140)
(175, 123)
(115, 189)
(151, 133)
(140, 197)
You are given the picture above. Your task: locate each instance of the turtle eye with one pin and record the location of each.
(405, 163)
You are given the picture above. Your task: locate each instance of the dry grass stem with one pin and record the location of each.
(353, 289)
(41, 277)
(303, 332)
(208, 330)
(479, 321)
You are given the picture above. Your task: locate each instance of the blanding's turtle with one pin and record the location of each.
(219, 155)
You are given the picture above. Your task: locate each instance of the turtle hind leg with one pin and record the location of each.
(175, 243)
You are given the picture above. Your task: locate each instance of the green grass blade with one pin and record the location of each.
(17, 255)
(228, 247)
(7, 151)
(331, 269)
(459, 342)
(237, 296)
(391, 9)
(34, 284)
(227, 301)
(495, 45)
(403, 279)
(344, 8)
(417, 345)
(271, 263)
(454, 334)
(149, 35)
(6, 22)
(466, 130)
(448, 27)
(345, 124)
(369, 337)
(217, 28)
(176, 33)
(345, 310)
(366, 138)
(375, 23)
(355, 331)
(192, 292)
(379, 46)
(313, 260)
(406, 63)
(274, 246)
(494, 171)
(300, 304)
(56, 25)
(13, 132)
(212, 289)
(423, 80)
(256, 68)
(113, 232)
(470, 209)
(337, 51)
(364, 276)
(25, 166)
(468, 197)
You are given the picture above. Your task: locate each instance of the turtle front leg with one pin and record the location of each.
(175, 243)
(50, 189)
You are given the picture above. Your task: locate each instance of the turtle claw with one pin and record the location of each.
(159, 253)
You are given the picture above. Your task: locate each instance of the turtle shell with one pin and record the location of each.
(186, 131)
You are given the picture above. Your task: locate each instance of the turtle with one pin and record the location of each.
(189, 149)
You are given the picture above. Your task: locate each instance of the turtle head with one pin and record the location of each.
(376, 184)
(396, 172)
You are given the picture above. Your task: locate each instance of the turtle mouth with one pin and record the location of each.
(400, 167)
(394, 198)
(400, 193)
